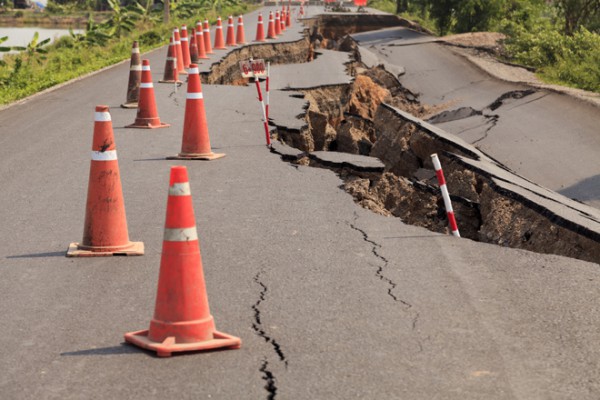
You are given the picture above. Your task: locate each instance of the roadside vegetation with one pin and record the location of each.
(560, 39)
(40, 65)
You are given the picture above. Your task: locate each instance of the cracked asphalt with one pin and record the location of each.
(331, 301)
(547, 137)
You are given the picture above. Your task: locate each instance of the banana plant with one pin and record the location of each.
(34, 47)
(121, 20)
(6, 49)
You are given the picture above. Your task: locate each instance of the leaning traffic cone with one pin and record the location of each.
(195, 143)
(271, 29)
(240, 36)
(171, 75)
(179, 54)
(260, 29)
(277, 24)
(185, 47)
(206, 32)
(135, 77)
(288, 17)
(219, 42)
(230, 40)
(182, 320)
(147, 116)
(105, 227)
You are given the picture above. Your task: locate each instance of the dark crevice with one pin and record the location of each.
(257, 326)
(382, 267)
(453, 115)
(270, 379)
(515, 94)
(492, 121)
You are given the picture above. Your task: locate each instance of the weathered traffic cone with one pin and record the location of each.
(182, 320)
(179, 54)
(240, 36)
(288, 17)
(282, 19)
(219, 42)
(195, 143)
(193, 48)
(301, 12)
(271, 29)
(260, 29)
(105, 227)
(200, 42)
(147, 116)
(185, 47)
(230, 38)
(277, 24)
(206, 32)
(135, 77)
(171, 75)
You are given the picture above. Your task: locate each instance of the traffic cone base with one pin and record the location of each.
(168, 346)
(196, 156)
(129, 105)
(78, 250)
(148, 124)
(169, 81)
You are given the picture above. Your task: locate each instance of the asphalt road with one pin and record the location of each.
(547, 137)
(331, 301)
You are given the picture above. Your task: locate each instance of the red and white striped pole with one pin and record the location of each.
(267, 90)
(262, 103)
(445, 195)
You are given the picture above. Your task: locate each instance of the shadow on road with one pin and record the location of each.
(585, 190)
(105, 351)
(41, 255)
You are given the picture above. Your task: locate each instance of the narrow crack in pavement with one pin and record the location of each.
(381, 268)
(257, 326)
(270, 379)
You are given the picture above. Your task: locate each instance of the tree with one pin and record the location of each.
(442, 12)
(577, 13)
(477, 15)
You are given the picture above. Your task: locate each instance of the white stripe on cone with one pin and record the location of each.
(109, 155)
(180, 189)
(101, 116)
(194, 96)
(180, 234)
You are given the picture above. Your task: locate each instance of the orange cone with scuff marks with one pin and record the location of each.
(282, 19)
(219, 42)
(240, 35)
(271, 30)
(206, 32)
(147, 115)
(171, 75)
(288, 17)
(193, 47)
(195, 143)
(260, 29)
(135, 77)
(179, 53)
(185, 47)
(182, 320)
(230, 38)
(277, 24)
(200, 42)
(105, 228)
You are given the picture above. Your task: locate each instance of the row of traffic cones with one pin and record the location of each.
(182, 319)
(277, 24)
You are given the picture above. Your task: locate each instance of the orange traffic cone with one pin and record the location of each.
(277, 24)
(288, 17)
(206, 32)
(147, 116)
(105, 227)
(240, 35)
(260, 29)
(200, 42)
(135, 76)
(182, 320)
(185, 47)
(219, 43)
(301, 12)
(193, 48)
(179, 53)
(271, 29)
(282, 19)
(195, 143)
(171, 75)
(230, 41)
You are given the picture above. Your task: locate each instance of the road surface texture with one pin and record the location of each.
(331, 301)
(544, 136)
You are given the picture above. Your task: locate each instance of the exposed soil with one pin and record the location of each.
(376, 116)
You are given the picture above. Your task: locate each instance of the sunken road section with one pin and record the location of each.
(383, 144)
